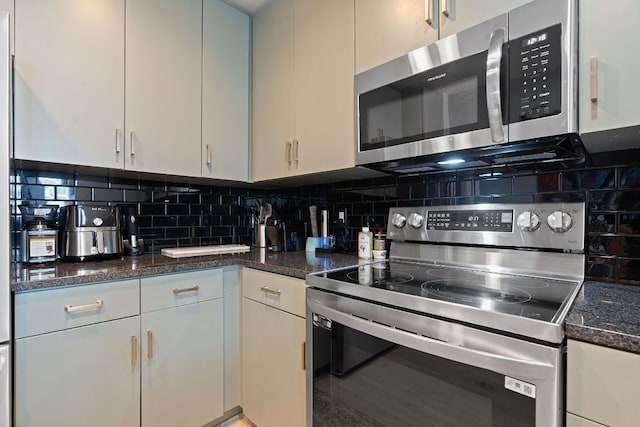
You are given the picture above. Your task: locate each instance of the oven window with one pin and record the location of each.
(445, 100)
(361, 380)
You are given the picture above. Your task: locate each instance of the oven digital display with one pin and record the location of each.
(499, 220)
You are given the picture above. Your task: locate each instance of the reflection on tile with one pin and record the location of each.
(617, 245)
(629, 177)
(629, 269)
(587, 180)
(601, 268)
(108, 195)
(493, 186)
(615, 200)
(601, 223)
(629, 223)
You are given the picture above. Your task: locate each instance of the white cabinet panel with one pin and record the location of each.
(456, 15)
(69, 81)
(616, 94)
(387, 29)
(182, 365)
(225, 92)
(575, 421)
(79, 377)
(273, 375)
(163, 82)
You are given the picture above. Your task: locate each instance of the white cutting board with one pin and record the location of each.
(204, 250)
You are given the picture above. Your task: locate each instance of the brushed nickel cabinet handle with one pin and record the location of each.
(132, 137)
(296, 150)
(268, 290)
(288, 152)
(191, 289)
(209, 158)
(134, 350)
(304, 350)
(445, 8)
(593, 78)
(428, 11)
(71, 308)
(117, 141)
(149, 345)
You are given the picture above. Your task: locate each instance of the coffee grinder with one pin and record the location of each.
(39, 234)
(132, 244)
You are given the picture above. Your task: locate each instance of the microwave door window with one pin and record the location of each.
(451, 106)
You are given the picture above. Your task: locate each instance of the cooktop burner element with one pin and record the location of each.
(467, 264)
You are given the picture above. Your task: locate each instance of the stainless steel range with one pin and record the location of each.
(462, 325)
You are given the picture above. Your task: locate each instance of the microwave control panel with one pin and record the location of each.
(535, 75)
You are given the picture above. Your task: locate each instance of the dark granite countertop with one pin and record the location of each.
(606, 314)
(294, 264)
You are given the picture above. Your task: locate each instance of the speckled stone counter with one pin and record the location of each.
(294, 264)
(606, 314)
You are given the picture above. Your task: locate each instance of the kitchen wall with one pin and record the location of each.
(174, 214)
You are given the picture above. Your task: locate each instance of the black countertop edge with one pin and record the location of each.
(606, 314)
(26, 278)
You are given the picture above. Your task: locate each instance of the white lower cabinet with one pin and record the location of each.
(273, 340)
(137, 352)
(576, 421)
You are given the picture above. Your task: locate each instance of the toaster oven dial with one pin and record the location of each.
(559, 221)
(398, 220)
(415, 220)
(528, 221)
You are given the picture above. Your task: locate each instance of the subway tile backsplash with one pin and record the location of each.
(173, 214)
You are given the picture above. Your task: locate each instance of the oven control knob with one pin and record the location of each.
(398, 220)
(528, 221)
(415, 220)
(559, 221)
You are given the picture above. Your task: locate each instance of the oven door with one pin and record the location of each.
(372, 365)
(444, 97)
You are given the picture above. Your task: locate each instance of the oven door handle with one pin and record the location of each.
(501, 363)
(494, 103)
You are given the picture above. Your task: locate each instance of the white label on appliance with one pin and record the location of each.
(520, 387)
(42, 246)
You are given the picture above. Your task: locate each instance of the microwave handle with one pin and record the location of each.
(494, 105)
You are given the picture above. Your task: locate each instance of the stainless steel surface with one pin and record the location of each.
(132, 139)
(449, 49)
(288, 155)
(209, 158)
(296, 151)
(494, 106)
(149, 345)
(117, 141)
(526, 19)
(534, 363)
(542, 237)
(593, 78)
(445, 8)
(428, 11)
(5, 240)
(73, 308)
(191, 289)
(268, 290)
(102, 238)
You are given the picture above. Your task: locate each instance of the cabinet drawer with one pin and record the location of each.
(173, 290)
(49, 310)
(285, 293)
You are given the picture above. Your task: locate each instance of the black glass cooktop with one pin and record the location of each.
(524, 296)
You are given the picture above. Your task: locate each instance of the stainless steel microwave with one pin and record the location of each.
(501, 92)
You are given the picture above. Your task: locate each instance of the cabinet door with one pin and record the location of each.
(575, 421)
(225, 92)
(273, 376)
(616, 97)
(163, 86)
(388, 29)
(182, 362)
(69, 81)
(78, 377)
(273, 82)
(457, 15)
(324, 104)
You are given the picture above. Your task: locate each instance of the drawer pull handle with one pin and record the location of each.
(191, 289)
(70, 308)
(268, 290)
(149, 345)
(134, 350)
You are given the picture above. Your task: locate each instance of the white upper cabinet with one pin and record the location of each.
(609, 89)
(303, 119)
(163, 86)
(225, 92)
(273, 107)
(388, 29)
(456, 15)
(69, 81)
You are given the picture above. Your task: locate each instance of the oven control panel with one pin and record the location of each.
(485, 220)
(536, 225)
